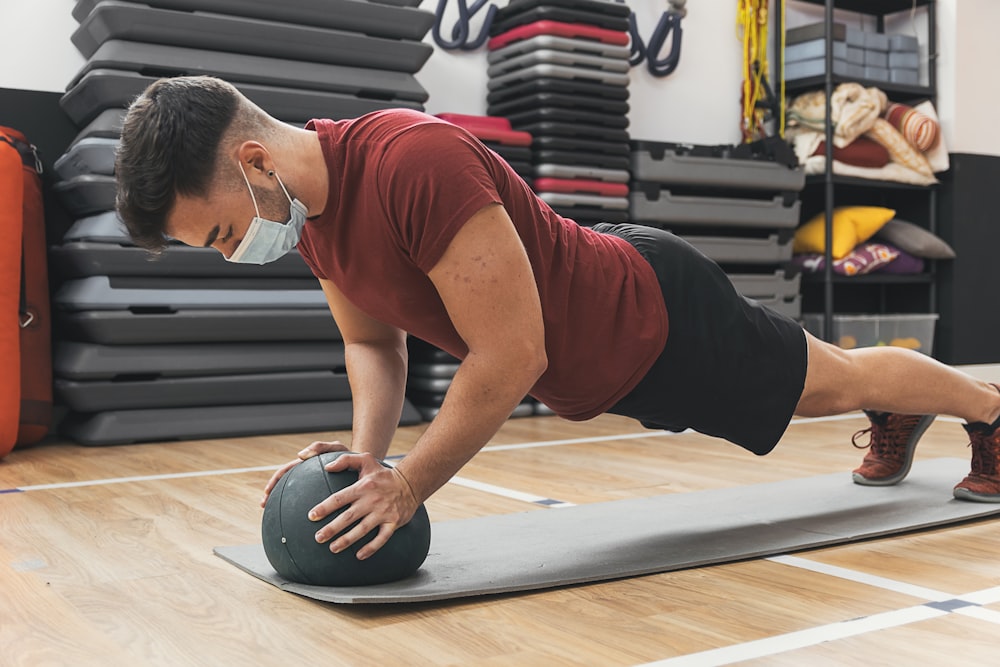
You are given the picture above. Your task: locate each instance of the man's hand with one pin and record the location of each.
(309, 452)
(381, 499)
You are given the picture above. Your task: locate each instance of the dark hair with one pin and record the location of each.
(169, 147)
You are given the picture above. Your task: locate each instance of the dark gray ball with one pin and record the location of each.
(290, 537)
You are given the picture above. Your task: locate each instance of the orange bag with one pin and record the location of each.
(25, 326)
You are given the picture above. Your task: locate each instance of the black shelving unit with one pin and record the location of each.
(918, 291)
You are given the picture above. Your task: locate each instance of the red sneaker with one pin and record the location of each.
(893, 440)
(982, 484)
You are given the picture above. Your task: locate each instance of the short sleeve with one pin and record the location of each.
(433, 178)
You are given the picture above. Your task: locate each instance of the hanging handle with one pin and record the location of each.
(460, 32)
(669, 24)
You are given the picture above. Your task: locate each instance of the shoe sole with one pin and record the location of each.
(911, 446)
(965, 494)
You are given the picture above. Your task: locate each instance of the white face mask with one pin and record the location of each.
(267, 240)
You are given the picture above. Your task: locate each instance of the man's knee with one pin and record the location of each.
(831, 385)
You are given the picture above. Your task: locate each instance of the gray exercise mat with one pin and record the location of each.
(626, 538)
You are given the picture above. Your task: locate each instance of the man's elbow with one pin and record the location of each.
(535, 363)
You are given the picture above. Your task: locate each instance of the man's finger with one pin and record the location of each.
(385, 531)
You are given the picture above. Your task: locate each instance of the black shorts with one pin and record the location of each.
(731, 368)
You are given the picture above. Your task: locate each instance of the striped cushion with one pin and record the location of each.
(918, 129)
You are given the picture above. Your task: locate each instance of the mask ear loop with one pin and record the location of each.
(243, 171)
(283, 189)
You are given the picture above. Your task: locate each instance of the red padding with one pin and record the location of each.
(11, 212)
(559, 29)
(581, 186)
(489, 128)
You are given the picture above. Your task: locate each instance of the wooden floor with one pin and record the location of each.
(106, 559)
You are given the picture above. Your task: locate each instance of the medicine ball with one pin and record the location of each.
(290, 537)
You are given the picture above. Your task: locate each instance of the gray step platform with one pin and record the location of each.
(174, 293)
(662, 206)
(428, 384)
(743, 250)
(96, 244)
(552, 42)
(144, 327)
(87, 194)
(120, 427)
(91, 362)
(166, 60)
(102, 89)
(574, 171)
(88, 156)
(369, 18)
(104, 227)
(429, 412)
(245, 389)
(766, 286)
(113, 19)
(573, 59)
(557, 72)
(672, 164)
(559, 199)
(79, 259)
(106, 125)
(790, 307)
(432, 370)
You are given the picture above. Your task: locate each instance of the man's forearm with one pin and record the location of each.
(480, 399)
(377, 373)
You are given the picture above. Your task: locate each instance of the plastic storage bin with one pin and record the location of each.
(913, 331)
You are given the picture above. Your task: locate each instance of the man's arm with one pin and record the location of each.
(376, 359)
(486, 283)
(376, 367)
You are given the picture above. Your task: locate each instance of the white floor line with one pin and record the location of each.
(761, 648)
(986, 596)
(490, 448)
(577, 441)
(507, 493)
(987, 615)
(862, 578)
(144, 478)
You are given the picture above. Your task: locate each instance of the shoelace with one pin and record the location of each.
(881, 439)
(984, 453)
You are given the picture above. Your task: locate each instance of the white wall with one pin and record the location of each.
(973, 59)
(35, 48)
(698, 103)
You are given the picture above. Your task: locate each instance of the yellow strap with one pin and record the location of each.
(752, 28)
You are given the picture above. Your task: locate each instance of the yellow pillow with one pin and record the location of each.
(851, 225)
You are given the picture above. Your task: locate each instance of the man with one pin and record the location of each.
(413, 226)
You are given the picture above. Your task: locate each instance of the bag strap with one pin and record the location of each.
(28, 152)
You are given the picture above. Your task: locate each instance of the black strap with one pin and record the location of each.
(28, 153)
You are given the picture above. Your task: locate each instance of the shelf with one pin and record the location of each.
(813, 180)
(873, 279)
(872, 7)
(893, 90)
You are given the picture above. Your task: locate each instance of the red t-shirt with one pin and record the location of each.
(402, 183)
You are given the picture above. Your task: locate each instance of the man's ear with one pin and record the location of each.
(255, 158)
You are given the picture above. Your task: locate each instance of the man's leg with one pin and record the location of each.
(891, 379)
(901, 391)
